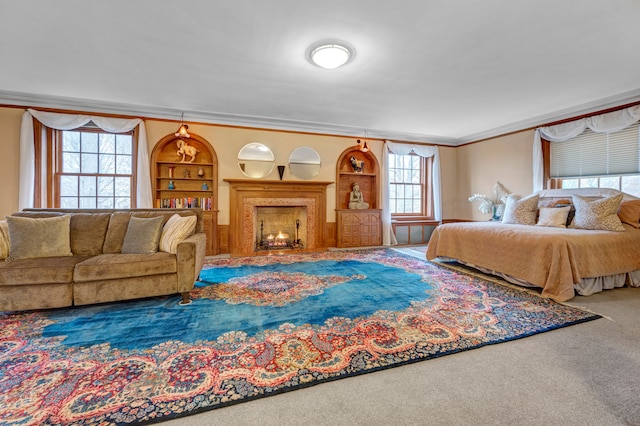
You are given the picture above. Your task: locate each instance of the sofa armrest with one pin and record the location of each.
(190, 258)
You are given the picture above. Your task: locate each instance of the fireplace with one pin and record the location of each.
(297, 209)
(280, 227)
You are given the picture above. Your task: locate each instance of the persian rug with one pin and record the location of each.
(257, 326)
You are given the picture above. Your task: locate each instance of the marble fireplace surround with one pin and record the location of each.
(246, 194)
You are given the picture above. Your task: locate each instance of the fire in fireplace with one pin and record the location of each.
(278, 240)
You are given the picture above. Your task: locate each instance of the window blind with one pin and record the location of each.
(597, 154)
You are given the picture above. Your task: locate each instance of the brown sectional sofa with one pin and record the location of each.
(97, 271)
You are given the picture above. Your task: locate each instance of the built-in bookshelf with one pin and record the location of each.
(187, 183)
(358, 227)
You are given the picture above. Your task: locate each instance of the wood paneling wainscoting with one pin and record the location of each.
(413, 231)
(245, 195)
(223, 238)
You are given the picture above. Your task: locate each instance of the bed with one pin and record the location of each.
(560, 261)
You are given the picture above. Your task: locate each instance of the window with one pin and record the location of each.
(409, 192)
(94, 169)
(598, 160)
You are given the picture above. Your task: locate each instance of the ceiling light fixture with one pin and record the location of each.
(183, 129)
(330, 54)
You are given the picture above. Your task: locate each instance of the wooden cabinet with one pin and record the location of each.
(358, 227)
(187, 184)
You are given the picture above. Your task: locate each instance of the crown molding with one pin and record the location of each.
(147, 111)
(575, 111)
(164, 113)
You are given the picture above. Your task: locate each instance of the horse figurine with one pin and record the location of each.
(184, 150)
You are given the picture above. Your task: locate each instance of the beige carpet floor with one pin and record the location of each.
(587, 374)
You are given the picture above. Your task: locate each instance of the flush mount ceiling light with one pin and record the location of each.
(330, 54)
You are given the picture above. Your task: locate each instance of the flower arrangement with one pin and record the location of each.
(494, 206)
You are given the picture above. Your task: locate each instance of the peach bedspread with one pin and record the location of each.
(551, 258)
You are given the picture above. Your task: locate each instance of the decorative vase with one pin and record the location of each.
(495, 214)
(205, 186)
(200, 172)
(171, 185)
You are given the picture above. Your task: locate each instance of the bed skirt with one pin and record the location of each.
(586, 286)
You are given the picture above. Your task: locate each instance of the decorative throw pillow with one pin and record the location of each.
(143, 235)
(630, 213)
(38, 237)
(553, 216)
(601, 214)
(4, 239)
(521, 211)
(177, 229)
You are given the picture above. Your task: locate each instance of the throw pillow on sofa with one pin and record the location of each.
(143, 235)
(4, 239)
(38, 237)
(177, 229)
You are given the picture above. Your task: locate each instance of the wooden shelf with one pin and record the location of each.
(164, 157)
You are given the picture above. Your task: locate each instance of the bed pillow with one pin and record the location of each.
(177, 229)
(521, 211)
(630, 213)
(553, 216)
(143, 235)
(600, 214)
(38, 237)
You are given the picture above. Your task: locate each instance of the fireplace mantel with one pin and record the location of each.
(245, 194)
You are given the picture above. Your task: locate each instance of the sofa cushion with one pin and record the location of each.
(4, 239)
(119, 223)
(119, 265)
(116, 231)
(143, 235)
(46, 270)
(177, 229)
(88, 231)
(38, 237)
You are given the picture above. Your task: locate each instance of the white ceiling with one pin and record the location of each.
(425, 70)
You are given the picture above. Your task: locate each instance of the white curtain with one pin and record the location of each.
(604, 123)
(69, 122)
(388, 238)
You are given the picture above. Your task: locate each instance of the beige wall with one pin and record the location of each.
(449, 181)
(9, 159)
(227, 142)
(464, 170)
(507, 159)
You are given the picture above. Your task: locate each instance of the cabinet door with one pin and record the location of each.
(370, 229)
(350, 230)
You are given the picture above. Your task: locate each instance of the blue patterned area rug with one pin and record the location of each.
(257, 326)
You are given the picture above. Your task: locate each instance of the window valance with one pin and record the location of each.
(604, 123)
(72, 121)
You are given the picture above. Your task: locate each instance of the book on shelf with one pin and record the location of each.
(205, 203)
